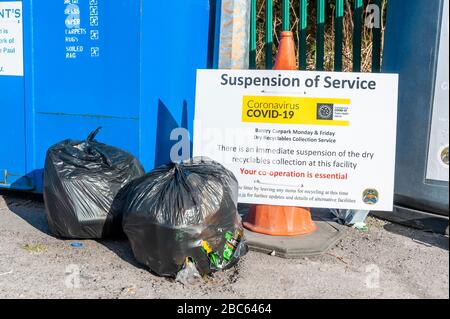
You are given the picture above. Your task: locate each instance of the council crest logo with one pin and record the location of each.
(445, 156)
(370, 196)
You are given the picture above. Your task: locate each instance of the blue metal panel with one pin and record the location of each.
(128, 66)
(171, 52)
(12, 130)
(72, 94)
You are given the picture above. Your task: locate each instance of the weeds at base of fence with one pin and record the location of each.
(347, 63)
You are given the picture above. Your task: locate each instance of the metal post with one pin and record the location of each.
(234, 47)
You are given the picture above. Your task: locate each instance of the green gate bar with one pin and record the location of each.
(338, 34)
(357, 22)
(286, 4)
(376, 40)
(269, 34)
(303, 25)
(320, 35)
(253, 15)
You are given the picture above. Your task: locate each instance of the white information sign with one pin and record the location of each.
(310, 139)
(11, 38)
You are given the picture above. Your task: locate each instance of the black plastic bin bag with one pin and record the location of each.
(81, 181)
(185, 213)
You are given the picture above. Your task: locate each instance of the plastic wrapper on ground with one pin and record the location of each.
(350, 216)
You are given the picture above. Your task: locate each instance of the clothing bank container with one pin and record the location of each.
(69, 66)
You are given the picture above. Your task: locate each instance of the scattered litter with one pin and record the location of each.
(77, 245)
(349, 216)
(81, 181)
(189, 275)
(338, 257)
(129, 290)
(273, 253)
(361, 227)
(185, 210)
(35, 248)
(6, 273)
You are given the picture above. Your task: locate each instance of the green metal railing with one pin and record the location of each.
(357, 22)
(320, 33)
(376, 46)
(253, 44)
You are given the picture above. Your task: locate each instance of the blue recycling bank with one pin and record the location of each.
(69, 66)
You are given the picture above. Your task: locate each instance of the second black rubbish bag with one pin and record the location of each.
(81, 181)
(182, 215)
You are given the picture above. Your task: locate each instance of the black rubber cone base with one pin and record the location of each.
(327, 234)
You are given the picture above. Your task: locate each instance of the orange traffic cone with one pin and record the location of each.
(281, 220)
(286, 59)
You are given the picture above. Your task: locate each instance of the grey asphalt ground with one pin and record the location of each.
(390, 261)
